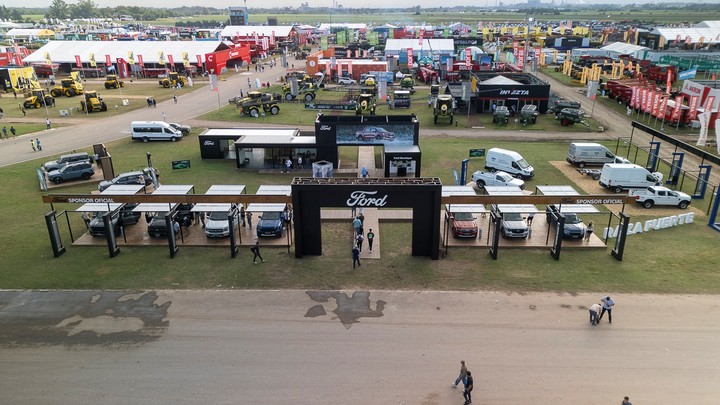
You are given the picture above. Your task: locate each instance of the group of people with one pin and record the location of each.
(597, 310)
(359, 238)
(286, 165)
(5, 132)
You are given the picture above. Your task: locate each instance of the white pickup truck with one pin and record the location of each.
(657, 195)
(498, 178)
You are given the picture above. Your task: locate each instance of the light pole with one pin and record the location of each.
(527, 42)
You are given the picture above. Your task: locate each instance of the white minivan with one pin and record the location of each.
(154, 131)
(588, 153)
(508, 161)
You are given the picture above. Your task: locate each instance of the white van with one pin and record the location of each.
(154, 131)
(509, 162)
(587, 153)
(621, 176)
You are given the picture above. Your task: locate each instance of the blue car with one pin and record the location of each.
(270, 225)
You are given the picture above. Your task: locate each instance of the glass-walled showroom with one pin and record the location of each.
(274, 157)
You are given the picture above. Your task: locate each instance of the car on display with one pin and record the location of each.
(574, 226)
(217, 224)
(184, 129)
(498, 178)
(119, 218)
(65, 159)
(347, 81)
(156, 221)
(72, 171)
(463, 224)
(134, 177)
(513, 225)
(657, 195)
(371, 133)
(270, 224)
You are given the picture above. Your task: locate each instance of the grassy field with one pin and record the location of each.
(653, 262)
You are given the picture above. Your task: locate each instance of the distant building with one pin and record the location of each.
(238, 16)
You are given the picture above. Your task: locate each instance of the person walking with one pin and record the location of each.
(359, 241)
(589, 230)
(370, 238)
(248, 216)
(607, 304)
(12, 131)
(23, 110)
(4, 132)
(47, 123)
(256, 253)
(468, 389)
(530, 218)
(242, 215)
(463, 375)
(356, 256)
(32, 143)
(288, 165)
(594, 311)
(174, 99)
(37, 144)
(357, 224)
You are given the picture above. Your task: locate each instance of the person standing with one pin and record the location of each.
(174, 99)
(37, 144)
(248, 216)
(530, 218)
(47, 123)
(370, 238)
(607, 304)
(242, 215)
(288, 165)
(300, 162)
(626, 401)
(359, 241)
(256, 253)
(589, 230)
(594, 311)
(463, 375)
(357, 224)
(356, 256)
(364, 172)
(468, 389)
(86, 217)
(23, 110)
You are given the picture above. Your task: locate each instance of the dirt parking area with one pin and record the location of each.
(590, 186)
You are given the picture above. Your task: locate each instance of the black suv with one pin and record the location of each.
(126, 213)
(65, 159)
(72, 171)
(574, 227)
(156, 221)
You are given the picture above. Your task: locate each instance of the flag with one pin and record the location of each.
(199, 60)
(93, 63)
(687, 74)
(170, 60)
(78, 61)
(675, 117)
(140, 61)
(108, 61)
(214, 83)
(468, 57)
(704, 124)
(692, 113)
(410, 57)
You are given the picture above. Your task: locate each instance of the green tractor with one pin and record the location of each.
(443, 106)
(528, 114)
(501, 116)
(407, 83)
(365, 103)
(37, 98)
(570, 116)
(294, 88)
(255, 101)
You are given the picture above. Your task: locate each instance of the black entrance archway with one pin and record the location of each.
(421, 194)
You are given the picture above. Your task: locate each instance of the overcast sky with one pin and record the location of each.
(325, 3)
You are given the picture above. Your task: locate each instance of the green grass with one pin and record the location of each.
(652, 263)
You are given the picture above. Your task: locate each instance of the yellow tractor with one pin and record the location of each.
(68, 88)
(173, 80)
(37, 98)
(93, 102)
(112, 82)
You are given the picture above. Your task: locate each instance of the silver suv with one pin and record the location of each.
(346, 81)
(136, 177)
(513, 225)
(65, 159)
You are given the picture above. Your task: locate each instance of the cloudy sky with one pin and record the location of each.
(325, 3)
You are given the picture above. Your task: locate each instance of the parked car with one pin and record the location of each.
(135, 177)
(66, 159)
(371, 133)
(463, 224)
(658, 195)
(72, 171)
(184, 129)
(124, 213)
(347, 81)
(156, 221)
(270, 224)
(574, 226)
(513, 225)
(217, 224)
(498, 178)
